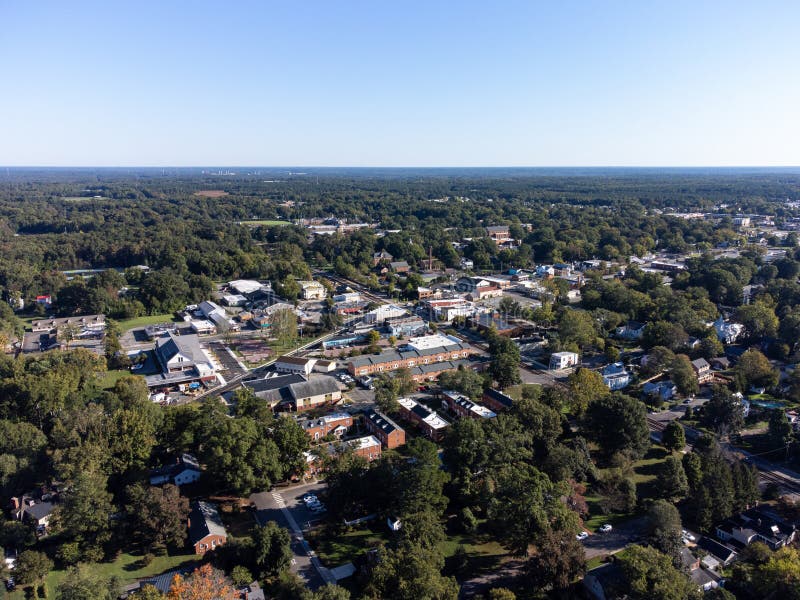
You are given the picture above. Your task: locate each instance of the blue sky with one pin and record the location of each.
(378, 83)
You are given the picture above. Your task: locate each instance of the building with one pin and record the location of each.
(213, 312)
(409, 356)
(405, 325)
(335, 424)
(632, 330)
(497, 400)
(325, 366)
(615, 376)
(312, 290)
(184, 470)
(295, 364)
(722, 554)
(296, 393)
(604, 583)
(32, 510)
(662, 389)
(86, 326)
(499, 234)
(494, 322)
(756, 525)
(728, 333)
(431, 424)
(399, 266)
(343, 341)
(182, 361)
(367, 447)
(203, 327)
(246, 287)
(383, 312)
(234, 299)
(461, 406)
(425, 293)
(206, 530)
(387, 431)
(702, 370)
(381, 257)
(563, 360)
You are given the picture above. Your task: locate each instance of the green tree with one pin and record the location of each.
(331, 591)
(85, 513)
(683, 375)
(780, 430)
(85, 583)
(650, 574)
(272, 551)
(585, 386)
(156, 516)
(32, 567)
(759, 320)
(724, 412)
(410, 571)
(664, 529)
(673, 438)
(780, 575)
(292, 442)
(576, 327)
(465, 381)
(754, 369)
(672, 482)
(618, 424)
(283, 326)
(557, 561)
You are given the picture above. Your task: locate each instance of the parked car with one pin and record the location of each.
(581, 536)
(10, 584)
(687, 536)
(606, 528)
(309, 498)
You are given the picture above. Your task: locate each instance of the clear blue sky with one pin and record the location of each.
(404, 83)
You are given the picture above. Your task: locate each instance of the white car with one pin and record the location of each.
(310, 499)
(581, 536)
(606, 528)
(687, 536)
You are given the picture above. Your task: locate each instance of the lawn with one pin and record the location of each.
(127, 324)
(107, 379)
(127, 567)
(336, 549)
(266, 222)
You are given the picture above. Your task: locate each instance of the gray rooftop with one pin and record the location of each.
(204, 520)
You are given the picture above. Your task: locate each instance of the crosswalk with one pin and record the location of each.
(279, 499)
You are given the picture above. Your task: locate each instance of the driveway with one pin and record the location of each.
(623, 534)
(285, 506)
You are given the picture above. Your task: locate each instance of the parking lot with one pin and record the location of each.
(230, 365)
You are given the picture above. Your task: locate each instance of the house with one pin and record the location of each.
(382, 427)
(497, 400)
(86, 326)
(728, 333)
(335, 424)
(181, 360)
(615, 376)
(461, 406)
(184, 470)
(206, 530)
(604, 582)
(632, 330)
(429, 423)
(563, 360)
(33, 510)
(467, 264)
(312, 290)
(720, 552)
(297, 394)
(367, 447)
(706, 580)
(295, 364)
(663, 389)
(756, 525)
(399, 266)
(381, 257)
(494, 322)
(721, 363)
(702, 370)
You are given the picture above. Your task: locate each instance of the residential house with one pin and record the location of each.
(702, 370)
(36, 511)
(296, 395)
(723, 554)
(497, 400)
(461, 406)
(429, 423)
(728, 333)
(381, 257)
(467, 264)
(604, 582)
(756, 525)
(632, 330)
(335, 424)
(615, 376)
(663, 389)
(295, 364)
(184, 470)
(206, 530)
(367, 447)
(499, 234)
(312, 290)
(382, 427)
(563, 360)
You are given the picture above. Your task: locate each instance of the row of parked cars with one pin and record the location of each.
(585, 534)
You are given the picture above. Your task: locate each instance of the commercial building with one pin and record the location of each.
(409, 356)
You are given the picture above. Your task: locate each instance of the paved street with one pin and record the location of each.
(286, 507)
(623, 534)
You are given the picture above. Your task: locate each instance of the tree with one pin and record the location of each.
(664, 333)
(410, 571)
(780, 575)
(672, 482)
(658, 360)
(724, 412)
(673, 438)
(85, 513)
(272, 551)
(618, 424)
(557, 561)
(754, 369)
(283, 325)
(585, 386)
(156, 515)
(759, 320)
(683, 375)
(780, 430)
(465, 381)
(205, 583)
(331, 591)
(664, 529)
(576, 327)
(32, 567)
(500, 594)
(85, 583)
(292, 442)
(649, 574)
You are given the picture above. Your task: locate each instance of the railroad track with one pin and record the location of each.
(786, 483)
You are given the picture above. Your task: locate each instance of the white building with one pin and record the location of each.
(312, 290)
(563, 360)
(383, 312)
(295, 364)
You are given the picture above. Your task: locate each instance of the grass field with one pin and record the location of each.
(107, 379)
(127, 567)
(338, 549)
(129, 324)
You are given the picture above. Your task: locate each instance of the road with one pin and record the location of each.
(285, 506)
(623, 534)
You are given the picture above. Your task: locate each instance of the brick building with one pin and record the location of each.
(431, 424)
(461, 406)
(335, 424)
(387, 431)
